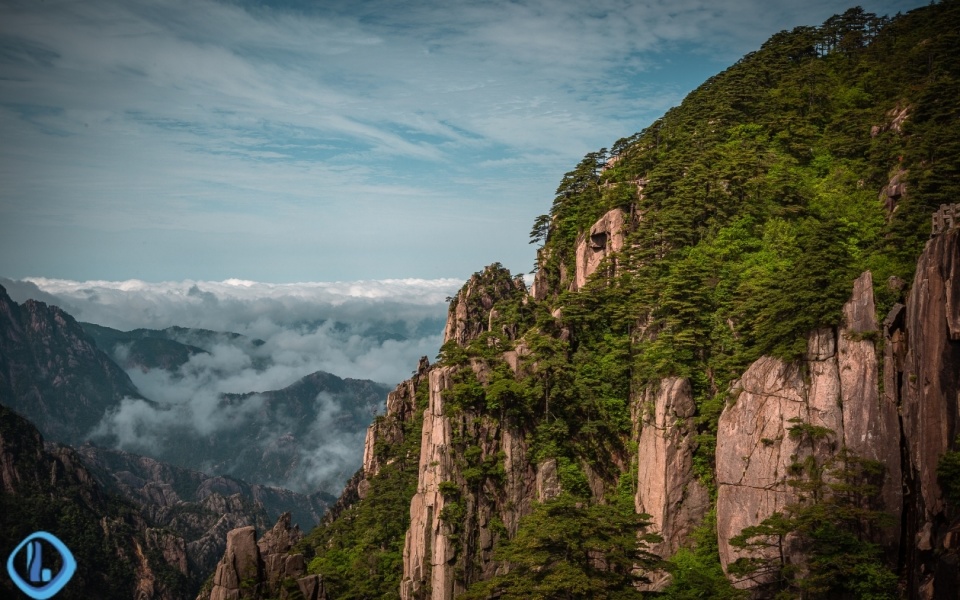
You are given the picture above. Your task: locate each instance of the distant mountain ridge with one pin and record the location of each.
(60, 374)
(166, 349)
(52, 372)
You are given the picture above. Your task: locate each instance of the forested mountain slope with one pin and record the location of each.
(738, 368)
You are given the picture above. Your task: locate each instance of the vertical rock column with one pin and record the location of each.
(754, 449)
(428, 552)
(667, 489)
(871, 425)
(930, 408)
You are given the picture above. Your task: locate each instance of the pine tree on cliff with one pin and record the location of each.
(830, 526)
(572, 549)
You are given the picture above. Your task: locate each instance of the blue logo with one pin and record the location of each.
(42, 583)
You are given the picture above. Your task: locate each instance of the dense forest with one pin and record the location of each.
(743, 217)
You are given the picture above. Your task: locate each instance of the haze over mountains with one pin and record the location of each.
(261, 405)
(200, 430)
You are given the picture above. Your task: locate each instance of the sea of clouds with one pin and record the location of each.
(337, 327)
(373, 330)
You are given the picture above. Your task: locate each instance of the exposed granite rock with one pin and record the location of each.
(754, 449)
(275, 546)
(388, 429)
(927, 345)
(442, 557)
(256, 570)
(515, 357)
(895, 189)
(469, 312)
(895, 119)
(240, 572)
(540, 287)
(667, 489)
(871, 424)
(840, 392)
(548, 483)
(428, 551)
(604, 238)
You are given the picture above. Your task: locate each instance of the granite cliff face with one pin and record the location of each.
(604, 239)
(909, 425)
(667, 488)
(450, 540)
(922, 369)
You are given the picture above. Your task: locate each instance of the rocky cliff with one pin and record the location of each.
(199, 507)
(452, 532)
(254, 569)
(52, 372)
(730, 329)
(906, 425)
(831, 403)
(922, 371)
(120, 554)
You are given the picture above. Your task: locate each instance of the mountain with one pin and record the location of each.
(737, 372)
(299, 436)
(57, 372)
(198, 507)
(52, 372)
(120, 554)
(167, 349)
(159, 486)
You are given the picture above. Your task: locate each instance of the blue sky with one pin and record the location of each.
(324, 141)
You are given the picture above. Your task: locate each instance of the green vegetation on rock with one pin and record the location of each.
(742, 217)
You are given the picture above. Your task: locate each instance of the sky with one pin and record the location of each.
(306, 141)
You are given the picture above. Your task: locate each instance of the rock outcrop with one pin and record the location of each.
(834, 388)
(256, 570)
(199, 507)
(428, 551)
(454, 524)
(388, 429)
(604, 238)
(923, 355)
(667, 488)
(469, 313)
(50, 485)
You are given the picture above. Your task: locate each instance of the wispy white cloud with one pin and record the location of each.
(375, 330)
(184, 120)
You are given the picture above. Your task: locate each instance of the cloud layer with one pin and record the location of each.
(373, 330)
(296, 140)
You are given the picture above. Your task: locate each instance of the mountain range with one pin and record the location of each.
(68, 378)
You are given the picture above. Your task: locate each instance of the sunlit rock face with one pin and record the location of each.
(254, 569)
(667, 488)
(834, 387)
(603, 239)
